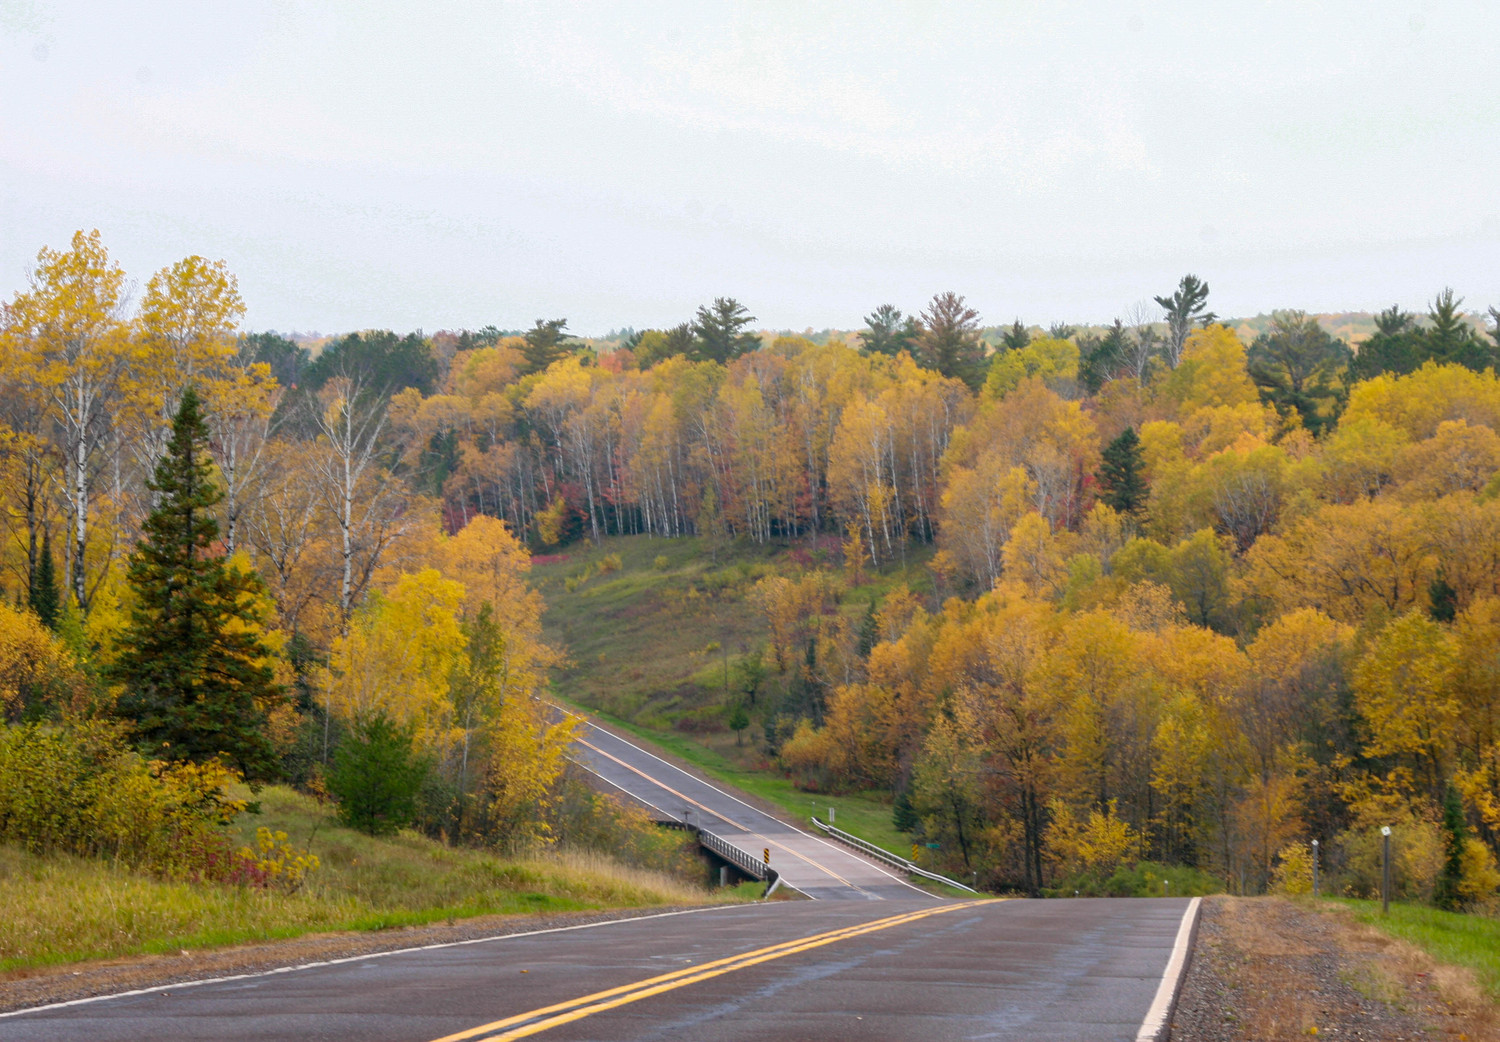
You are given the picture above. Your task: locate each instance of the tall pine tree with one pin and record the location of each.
(1121, 481)
(195, 677)
(43, 596)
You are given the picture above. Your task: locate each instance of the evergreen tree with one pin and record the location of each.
(1394, 347)
(1016, 337)
(720, 330)
(545, 343)
(1185, 308)
(43, 595)
(949, 341)
(1121, 480)
(377, 776)
(1442, 599)
(1293, 366)
(195, 676)
(1447, 894)
(1103, 357)
(886, 332)
(1449, 338)
(903, 814)
(869, 631)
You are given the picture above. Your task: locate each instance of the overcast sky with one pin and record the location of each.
(424, 165)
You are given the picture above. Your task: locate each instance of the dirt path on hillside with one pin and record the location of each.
(1267, 969)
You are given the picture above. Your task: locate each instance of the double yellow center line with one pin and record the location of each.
(524, 1024)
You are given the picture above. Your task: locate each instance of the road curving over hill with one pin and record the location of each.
(812, 865)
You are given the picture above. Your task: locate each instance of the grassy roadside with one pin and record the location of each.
(59, 909)
(1470, 941)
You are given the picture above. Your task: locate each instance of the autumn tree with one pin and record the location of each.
(194, 672)
(71, 348)
(1404, 687)
(187, 323)
(359, 493)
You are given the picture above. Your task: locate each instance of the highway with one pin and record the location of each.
(1051, 971)
(819, 868)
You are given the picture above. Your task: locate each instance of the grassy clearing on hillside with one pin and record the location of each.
(59, 909)
(650, 643)
(1470, 941)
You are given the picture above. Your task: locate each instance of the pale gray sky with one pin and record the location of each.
(446, 165)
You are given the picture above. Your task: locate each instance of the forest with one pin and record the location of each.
(1192, 598)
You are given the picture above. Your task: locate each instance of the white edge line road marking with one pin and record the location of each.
(355, 958)
(817, 839)
(1166, 991)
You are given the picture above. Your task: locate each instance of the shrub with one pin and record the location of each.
(36, 669)
(583, 819)
(1143, 879)
(609, 563)
(1293, 874)
(79, 788)
(661, 563)
(377, 775)
(277, 862)
(1417, 853)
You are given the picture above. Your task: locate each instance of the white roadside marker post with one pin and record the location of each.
(1385, 870)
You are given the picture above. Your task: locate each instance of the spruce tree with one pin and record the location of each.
(43, 595)
(1016, 337)
(1448, 892)
(1442, 599)
(1122, 484)
(195, 677)
(377, 776)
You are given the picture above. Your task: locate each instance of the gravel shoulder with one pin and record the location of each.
(1269, 968)
(22, 989)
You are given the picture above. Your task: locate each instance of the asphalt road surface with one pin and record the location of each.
(817, 867)
(1057, 971)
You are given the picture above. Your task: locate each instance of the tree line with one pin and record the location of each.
(1197, 599)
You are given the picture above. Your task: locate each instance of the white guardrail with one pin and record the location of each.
(890, 859)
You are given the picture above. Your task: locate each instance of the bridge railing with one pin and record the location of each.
(741, 859)
(909, 867)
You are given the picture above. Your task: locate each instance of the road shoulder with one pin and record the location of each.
(1269, 968)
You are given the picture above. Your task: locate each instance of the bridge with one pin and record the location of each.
(822, 867)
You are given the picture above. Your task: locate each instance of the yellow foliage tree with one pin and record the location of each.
(398, 655)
